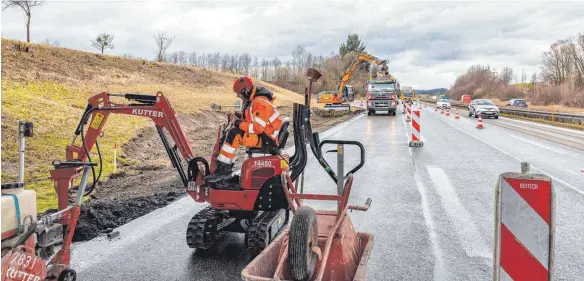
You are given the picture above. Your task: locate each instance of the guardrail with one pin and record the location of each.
(546, 115)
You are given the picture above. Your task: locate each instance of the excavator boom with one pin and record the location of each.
(362, 57)
(99, 107)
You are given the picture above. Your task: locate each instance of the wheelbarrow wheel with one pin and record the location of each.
(68, 275)
(303, 236)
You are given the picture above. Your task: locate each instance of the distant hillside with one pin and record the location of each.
(437, 91)
(50, 87)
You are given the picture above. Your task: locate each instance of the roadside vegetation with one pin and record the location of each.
(559, 86)
(50, 86)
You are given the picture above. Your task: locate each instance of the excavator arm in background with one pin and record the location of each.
(362, 57)
(100, 106)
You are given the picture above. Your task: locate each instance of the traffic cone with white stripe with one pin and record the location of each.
(480, 122)
(436, 109)
(441, 110)
(456, 116)
(448, 112)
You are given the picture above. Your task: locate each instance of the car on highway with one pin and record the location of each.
(485, 107)
(517, 102)
(443, 104)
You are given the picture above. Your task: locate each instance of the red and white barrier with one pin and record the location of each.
(416, 139)
(524, 227)
(409, 112)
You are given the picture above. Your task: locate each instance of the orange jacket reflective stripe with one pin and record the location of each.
(262, 117)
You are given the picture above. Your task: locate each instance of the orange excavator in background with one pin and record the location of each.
(338, 100)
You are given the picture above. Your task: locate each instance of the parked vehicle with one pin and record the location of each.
(443, 104)
(466, 99)
(484, 107)
(517, 102)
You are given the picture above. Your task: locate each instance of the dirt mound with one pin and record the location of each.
(102, 216)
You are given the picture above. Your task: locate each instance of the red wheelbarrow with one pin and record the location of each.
(318, 245)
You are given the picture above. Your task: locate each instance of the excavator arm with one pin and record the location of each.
(100, 106)
(362, 57)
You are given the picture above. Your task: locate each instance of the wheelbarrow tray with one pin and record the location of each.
(347, 260)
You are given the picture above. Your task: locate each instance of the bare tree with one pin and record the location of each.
(255, 67)
(244, 63)
(225, 62)
(266, 70)
(507, 74)
(578, 58)
(26, 6)
(276, 64)
(103, 41)
(217, 60)
(182, 58)
(163, 41)
(234, 63)
(193, 59)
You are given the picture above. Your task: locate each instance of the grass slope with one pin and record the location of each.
(50, 87)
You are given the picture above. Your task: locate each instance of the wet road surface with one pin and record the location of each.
(432, 210)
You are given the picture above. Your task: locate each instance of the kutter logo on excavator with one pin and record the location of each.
(149, 113)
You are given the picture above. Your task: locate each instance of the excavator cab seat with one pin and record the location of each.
(268, 145)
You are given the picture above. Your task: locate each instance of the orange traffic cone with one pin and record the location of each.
(480, 122)
(448, 112)
(436, 109)
(441, 110)
(456, 116)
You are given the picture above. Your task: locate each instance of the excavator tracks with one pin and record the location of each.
(202, 229)
(264, 229)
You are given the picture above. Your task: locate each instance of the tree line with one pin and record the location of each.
(560, 80)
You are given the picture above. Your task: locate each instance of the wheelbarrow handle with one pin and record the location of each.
(361, 208)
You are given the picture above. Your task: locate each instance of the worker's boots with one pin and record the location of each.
(222, 172)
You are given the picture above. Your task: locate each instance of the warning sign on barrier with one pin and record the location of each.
(524, 227)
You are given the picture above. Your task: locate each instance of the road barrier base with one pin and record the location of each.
(416, 144)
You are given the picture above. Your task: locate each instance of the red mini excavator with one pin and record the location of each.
(252, 202)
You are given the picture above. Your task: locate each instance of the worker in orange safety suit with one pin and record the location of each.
(259, 118)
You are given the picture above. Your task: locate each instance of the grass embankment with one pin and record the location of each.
(50, 87)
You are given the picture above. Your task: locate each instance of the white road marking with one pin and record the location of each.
(537, 144)
(465, 228)
(440, 272)
(532, 167)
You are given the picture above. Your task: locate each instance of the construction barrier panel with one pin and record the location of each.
(524, 227)
(416, 139)
(409, 112)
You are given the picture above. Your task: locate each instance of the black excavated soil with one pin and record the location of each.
(102, 216)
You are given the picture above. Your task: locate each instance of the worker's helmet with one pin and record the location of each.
(243, 85)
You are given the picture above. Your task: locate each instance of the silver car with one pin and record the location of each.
(443, 104)
(484, 107)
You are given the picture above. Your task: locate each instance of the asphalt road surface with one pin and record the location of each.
(432, 211)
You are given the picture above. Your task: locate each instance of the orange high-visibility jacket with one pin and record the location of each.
(262, 116)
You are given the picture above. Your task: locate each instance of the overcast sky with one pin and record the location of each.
(428, 44)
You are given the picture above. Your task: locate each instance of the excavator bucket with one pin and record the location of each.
(337, 106)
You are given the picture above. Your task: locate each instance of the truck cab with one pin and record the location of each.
(382, 95)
